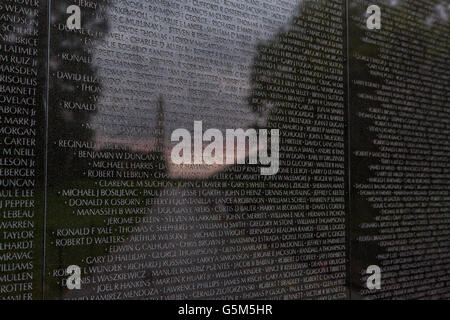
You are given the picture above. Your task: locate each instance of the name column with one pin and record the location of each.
(22, 125)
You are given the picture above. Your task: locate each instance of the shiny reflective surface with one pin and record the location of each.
(400, 120)
(172, 232)
(363, 171)
(22, 148)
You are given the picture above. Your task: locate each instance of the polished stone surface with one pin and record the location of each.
(88, 178)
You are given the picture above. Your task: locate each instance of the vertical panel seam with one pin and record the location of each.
(46, 115)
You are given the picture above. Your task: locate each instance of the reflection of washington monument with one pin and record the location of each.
(232, 233)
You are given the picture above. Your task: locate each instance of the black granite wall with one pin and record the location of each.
(88, 176)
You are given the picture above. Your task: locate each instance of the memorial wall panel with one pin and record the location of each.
(400, 149)
(143, 227)
(224, 149)
(22, 145)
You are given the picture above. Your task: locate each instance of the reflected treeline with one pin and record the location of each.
(246, 202)
(72, 107)
(279, 97)
(22, 145)
(287, 94)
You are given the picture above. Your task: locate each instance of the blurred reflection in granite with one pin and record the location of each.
(228, 232)
(142, 227)
(22, 132)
